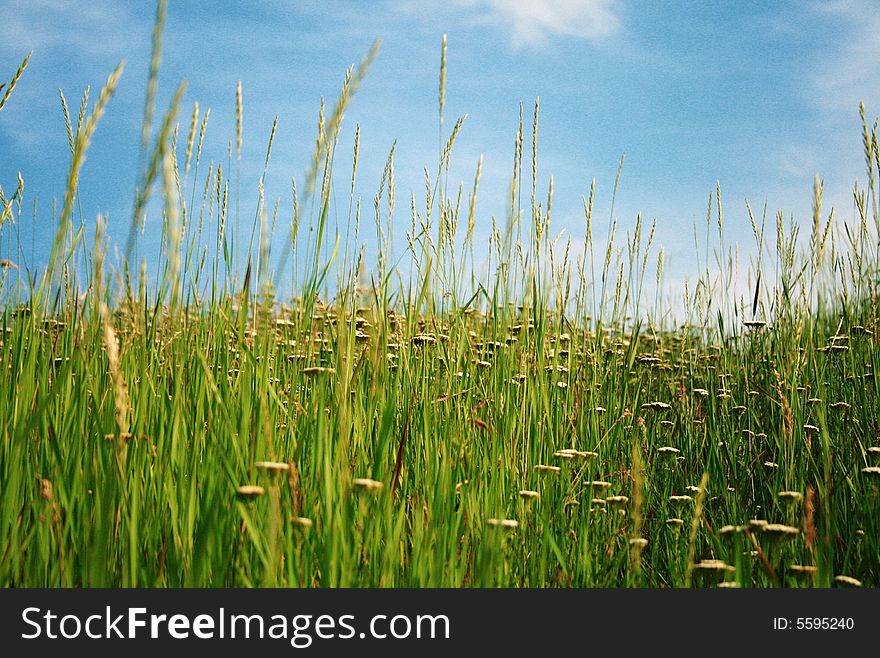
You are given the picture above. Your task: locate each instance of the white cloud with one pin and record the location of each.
(534, 22)
(529, 23)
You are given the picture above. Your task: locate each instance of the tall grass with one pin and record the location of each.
(543, 423)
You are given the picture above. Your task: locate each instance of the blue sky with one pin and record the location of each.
(759, 96)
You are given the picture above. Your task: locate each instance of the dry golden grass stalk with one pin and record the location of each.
(120, 390)
(695, 526)
(14, 81)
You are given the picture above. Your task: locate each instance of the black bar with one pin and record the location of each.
(518, 621)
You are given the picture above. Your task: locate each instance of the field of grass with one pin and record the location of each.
(414, 423)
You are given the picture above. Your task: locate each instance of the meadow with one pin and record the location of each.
(413, 420)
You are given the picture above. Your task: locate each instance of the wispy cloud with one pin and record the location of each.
(43, 25)
(535, 22)
(528, 23)
(850, 72)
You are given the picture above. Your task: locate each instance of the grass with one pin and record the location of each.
(426, 425)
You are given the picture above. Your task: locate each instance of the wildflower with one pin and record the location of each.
(793, 496)
(272, 467)
(543, 468)
(570, 453)
(656, 406)
(683, 498)
(803, 568)
(503, 523)
(367, 484)
(872, 470)
(668, 450)
(675, 522)
(250, 490)
(599, 484)
(848, 580)
(314, 371)
(302, 521)
(714, 565)
(528, 494)
(638, 542)
(780, 530)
